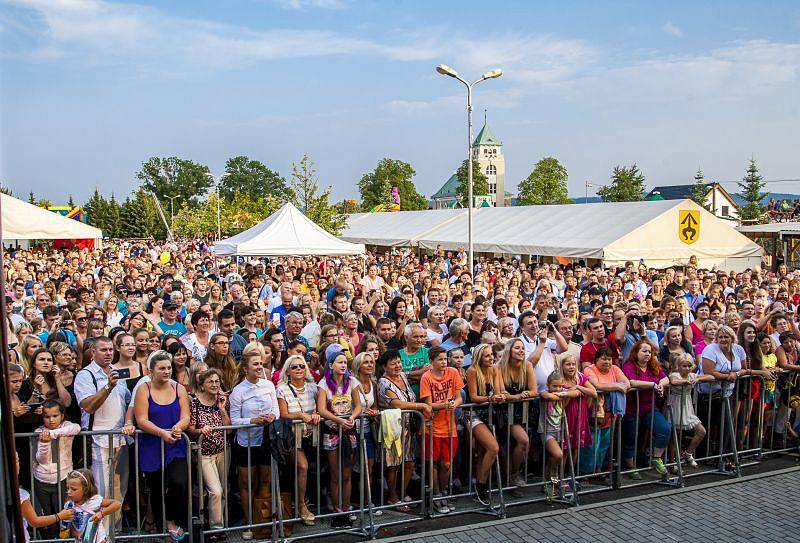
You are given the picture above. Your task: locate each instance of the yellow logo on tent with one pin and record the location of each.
(688, 226)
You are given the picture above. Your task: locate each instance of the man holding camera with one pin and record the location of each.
(630, 329)
(540, 350)
(104, 398)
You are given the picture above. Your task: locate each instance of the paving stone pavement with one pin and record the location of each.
(755, 509)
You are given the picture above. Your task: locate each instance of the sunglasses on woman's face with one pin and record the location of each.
(297, 367)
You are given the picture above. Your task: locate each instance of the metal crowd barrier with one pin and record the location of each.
(741, 426)
(113, 523)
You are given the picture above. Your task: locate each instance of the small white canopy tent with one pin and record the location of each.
(287, 232)
(24, 221)
(611, 232)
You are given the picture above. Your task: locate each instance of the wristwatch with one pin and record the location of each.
(109, 388)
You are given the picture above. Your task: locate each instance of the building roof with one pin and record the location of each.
(674, 192)
(486, 137)
(448, 190)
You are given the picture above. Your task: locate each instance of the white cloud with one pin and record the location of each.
(671, 29)
(301, 5)
(100, 32)
(727, 73)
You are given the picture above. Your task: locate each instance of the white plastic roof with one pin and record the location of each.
(772, 228)
(400, 228)
(613, 232)
(22, 220)
(287, 232)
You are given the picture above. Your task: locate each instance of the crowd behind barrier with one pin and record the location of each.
(159, 394)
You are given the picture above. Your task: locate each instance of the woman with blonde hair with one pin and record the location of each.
(297, 393)
(28, 346)
(483, 387)
(518, 382)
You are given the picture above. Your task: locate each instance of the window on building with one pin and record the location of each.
(491, 169)
(725, 211)
(492, 188)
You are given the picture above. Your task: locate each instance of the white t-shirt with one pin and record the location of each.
(547, 362)
(431, 334)
(721, 364)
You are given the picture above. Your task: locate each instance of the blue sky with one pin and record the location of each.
(89, 89)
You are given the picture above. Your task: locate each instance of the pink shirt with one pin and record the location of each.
(633, 373)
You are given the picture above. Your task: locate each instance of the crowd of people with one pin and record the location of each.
(397, 359)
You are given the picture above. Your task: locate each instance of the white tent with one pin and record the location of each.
(611, 232)
(286, 232)
(401, 228)
(24, 221)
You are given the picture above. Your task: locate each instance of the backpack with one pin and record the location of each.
(282, 441)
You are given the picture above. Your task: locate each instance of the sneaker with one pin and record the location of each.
(482, 492)
(450, 505)
(519, 480)
(659, 466)
(690, 460)
(247, 535)
(441, 508)
(635, 476)
(549, 490)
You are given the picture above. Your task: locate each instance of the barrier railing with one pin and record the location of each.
(109, 457)
(600, 450)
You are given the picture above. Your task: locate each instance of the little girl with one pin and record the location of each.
(89, 507)
(49, 474)
(681, 411)
(29, 515)
(551, 417)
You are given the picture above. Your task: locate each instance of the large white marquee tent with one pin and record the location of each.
(24, 221)
(287, 232)
(610, 232)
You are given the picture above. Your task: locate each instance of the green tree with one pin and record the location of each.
(627, 185)
(130, 223)
(5, 190)
(113, 211)
(236, 215)
(315, 204)
(71, 202)
(96, 210)
(44, 203)
(251, 178)
(31, 198)
(186, 180)
(546, 185)
(751, 186)
(376, 187)
(699, 189)
(480, 183)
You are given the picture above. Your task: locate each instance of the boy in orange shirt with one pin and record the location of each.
(440, 387)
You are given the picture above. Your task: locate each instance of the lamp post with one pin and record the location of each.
(450, 72)
(171, 211)
(217, 181)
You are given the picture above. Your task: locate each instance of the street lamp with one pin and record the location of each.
(217, 181)
(171, 211)
(450, 72)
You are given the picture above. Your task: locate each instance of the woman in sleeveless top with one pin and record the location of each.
(519, 383)
(482, 382)
(162, 413)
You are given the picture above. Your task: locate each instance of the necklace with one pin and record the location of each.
(300, 389)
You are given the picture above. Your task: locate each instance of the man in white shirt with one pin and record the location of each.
(539, 349)
(103, 400)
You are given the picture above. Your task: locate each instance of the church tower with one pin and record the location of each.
(487, 150)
